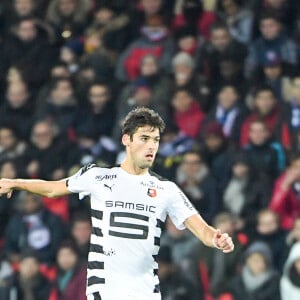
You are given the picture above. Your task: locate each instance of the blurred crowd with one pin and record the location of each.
(224, 75)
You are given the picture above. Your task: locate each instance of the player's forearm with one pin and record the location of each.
(49, 189)
(207, 236)
(201, 229)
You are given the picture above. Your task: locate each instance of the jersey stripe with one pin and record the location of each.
(96, 248)
(97, 231)
(95, 280)
(98, 214)
(159, 223)
(157, 241)
(93, 265)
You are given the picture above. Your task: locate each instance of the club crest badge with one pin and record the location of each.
(151, 192)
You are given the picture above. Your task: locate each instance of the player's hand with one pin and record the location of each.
(223, 241)
(6, 187)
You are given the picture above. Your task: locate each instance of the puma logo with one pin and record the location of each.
(109, 187)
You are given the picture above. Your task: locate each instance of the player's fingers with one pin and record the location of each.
(217, 234)
(229, 246)
(223, 238)
(9, 194)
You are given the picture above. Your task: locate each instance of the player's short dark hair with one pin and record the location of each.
(142, 116)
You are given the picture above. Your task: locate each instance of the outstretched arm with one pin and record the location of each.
(49, 189)
(208, 235)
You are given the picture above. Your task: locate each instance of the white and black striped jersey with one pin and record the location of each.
(127, 215)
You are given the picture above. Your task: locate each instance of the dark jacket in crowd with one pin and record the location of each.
(34, 58)
(21, 118)
(17, 231)
(75, 285)
(17, 289)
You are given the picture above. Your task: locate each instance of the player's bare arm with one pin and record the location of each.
(49, 189)
(208, 235)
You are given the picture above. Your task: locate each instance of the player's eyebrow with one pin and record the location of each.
(148, 136)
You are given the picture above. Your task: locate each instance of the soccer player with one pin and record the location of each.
(129, 204)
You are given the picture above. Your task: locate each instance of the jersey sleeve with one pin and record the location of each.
(179, 207)
(81, 181)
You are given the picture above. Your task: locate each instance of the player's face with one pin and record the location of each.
(143, 146)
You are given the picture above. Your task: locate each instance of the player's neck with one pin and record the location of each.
(130, 168)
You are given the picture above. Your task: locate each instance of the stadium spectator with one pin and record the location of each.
(97, 56)
(17, 109)
(187, 40)
(258, 279)
(229, 112)
(11, 146)
(221, 43)
(68, 17)
(217, 152)
(194, 178)
(17, 10)
(266, 157)
(44, 145)
(92, 147)
(245, 192)
(286, 11)
(80, 233)
(71, 274)
(268, 230)
(141, 95)
(212, 270)
(173, 285)
(285, 199)
(33, 227)
(154, 39)
(60, 106)
(199, 15)
(113, 21)
(238, 19)
(294, 234)
(187, 113)
(30, 50)
(230, 71)
(181, 243)
(185, 76)
(289, 283)
(146, 9)
(28, 282)
(267, 108)
(274, 73)
(70, 54)
(172, 146)
(152, 75)
(273, 40)
(97, 113)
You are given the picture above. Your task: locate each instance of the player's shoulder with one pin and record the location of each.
(92, 167)
(159, 177)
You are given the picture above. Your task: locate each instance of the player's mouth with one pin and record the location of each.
(150, 156)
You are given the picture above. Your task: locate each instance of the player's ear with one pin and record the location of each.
(125, 140)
